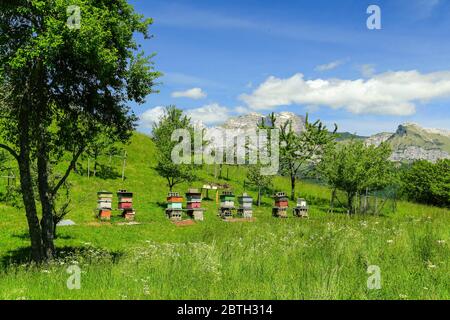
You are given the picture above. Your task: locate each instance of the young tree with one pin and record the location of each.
(172, 119)
(354, 167)
(262, 182)
(299, 150)
(58, 82)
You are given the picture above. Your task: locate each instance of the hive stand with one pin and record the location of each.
(301, 211)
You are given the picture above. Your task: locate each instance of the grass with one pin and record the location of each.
(323, 257)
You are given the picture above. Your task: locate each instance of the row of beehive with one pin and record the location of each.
(281, 206)
(194, 208)
(125, 204)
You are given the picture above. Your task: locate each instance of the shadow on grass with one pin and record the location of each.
(26, 236)
(88, 255)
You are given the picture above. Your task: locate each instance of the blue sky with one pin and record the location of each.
(225, 58)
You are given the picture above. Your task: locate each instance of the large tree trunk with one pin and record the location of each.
(26, 186)
(46, 198)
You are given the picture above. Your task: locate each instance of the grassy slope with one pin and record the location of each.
(323, 257)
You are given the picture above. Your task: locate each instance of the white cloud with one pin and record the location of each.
(194, 93)
(390, 93)
(149, 117)
(329, 66)
(209, 114)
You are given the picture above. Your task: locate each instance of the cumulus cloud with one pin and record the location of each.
(209, 114)
(194, 93)
(149, 117)
(329, 66)
(390, 93)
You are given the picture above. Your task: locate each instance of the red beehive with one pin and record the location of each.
(125, 205)
(281, 204)
(194, 205)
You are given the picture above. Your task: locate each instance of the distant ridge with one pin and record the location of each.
(410, 142)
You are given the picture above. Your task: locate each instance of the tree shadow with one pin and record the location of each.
(89, 255)
(161, 204)
(26, 236)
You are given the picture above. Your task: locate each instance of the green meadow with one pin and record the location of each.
(323, 257)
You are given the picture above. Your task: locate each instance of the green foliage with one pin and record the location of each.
(172, 120)
(263, 183)
(354, 167)
(301, 150)
(60, 86)
(428, 183)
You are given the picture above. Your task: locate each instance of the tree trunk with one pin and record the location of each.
(95, 165)
(45, 197)
(333, 196)
(26, 186)
(350, 200)
(293, 187)
(259, 196)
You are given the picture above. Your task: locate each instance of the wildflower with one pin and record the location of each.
(390, 241)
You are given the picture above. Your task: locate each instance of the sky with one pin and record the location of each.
(221, 59)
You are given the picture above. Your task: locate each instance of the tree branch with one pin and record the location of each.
(69, 169)
(10, 150)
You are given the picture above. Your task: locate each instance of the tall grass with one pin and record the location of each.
(323, 257)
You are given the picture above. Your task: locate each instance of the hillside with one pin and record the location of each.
(323, 257)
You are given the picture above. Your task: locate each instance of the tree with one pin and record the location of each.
(262, 182)
(428, 183)
(354, 167)
(300, 150)
(59, 83)
(102, 145)
(172, 119)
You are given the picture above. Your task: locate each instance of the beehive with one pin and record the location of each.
(174, 208)
(226, 204)
(104, 204)
(245, 206)
(194, 204)
(281, 205)
(125, 204)
(301, 210)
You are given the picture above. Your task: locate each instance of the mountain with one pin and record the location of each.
(409, 143)
(250, 121)
(412, 142)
